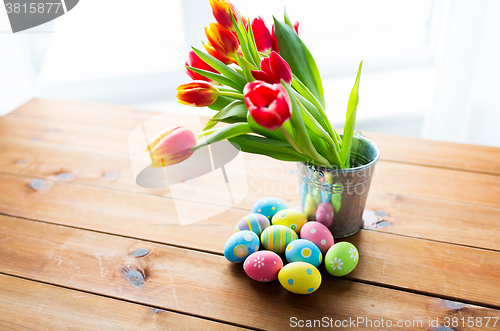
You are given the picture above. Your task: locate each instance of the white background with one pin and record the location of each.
(430, 66)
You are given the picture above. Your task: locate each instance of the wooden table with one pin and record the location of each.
(83, 247)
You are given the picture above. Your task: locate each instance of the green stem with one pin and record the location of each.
(301, 131)
(317, 129)
(290, 140)
(234, 95)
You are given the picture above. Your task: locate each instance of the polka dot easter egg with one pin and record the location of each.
(300, 278)
(276, 237)
(318, 234)
(305, 251)
(324, 214)
(263, 266)
(289, 218)
(268, 207)
(254, 222)
(240, 245)
(341, 259)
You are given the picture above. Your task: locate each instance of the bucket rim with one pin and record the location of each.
(355, 169)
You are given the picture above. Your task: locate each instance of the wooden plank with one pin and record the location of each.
(440, 184)
(265, 177)
(398, 149)
(28, 305)
(73, 136)
(140, 216)
(207, 285)
(423, 218)
(79, 112)
(431, 219)
(437, 153)
(405, 214)
(153, 218)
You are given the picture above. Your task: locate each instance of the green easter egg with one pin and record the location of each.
(341, 259)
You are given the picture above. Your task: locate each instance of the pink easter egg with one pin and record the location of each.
(318, 234)
(324, 214)
(263, 266)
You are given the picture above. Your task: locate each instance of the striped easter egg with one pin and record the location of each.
(276, 237)
(254, 222)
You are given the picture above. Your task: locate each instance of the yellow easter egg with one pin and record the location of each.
(300, 278)
(290, 218)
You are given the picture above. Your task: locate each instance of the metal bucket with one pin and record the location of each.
(343, 191)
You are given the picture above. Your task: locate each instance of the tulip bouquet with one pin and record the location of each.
(265, 86)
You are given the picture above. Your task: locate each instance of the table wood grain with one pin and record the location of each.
(72, 217)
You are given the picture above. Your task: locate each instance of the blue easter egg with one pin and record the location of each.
(303, 250)
(240, 245)
(268, 206)
(254, 222)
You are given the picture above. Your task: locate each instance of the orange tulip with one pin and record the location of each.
(222, 10)
(171, 146)
(222, 40)
(197, 93)
(211, 50)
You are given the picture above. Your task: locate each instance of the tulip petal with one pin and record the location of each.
(262, 35)
(260, 75)
(160, 136)
(269, 105)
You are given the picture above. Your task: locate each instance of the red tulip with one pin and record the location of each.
(198, 93)
(222, 40)
(296, 26)
(222, 10)
(195, 62)
(171, 146)
(275, 41)
(262, 35)
(273, 69)
(268, 104)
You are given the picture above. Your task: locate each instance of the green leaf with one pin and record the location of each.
(246, 66)
(210, 124)
(220, 103)
(243, 39)
(288, 21)
(275, 134)
(350, 121)
(221, 67)
(296, 54)
(302, 136)
(304, 92)
(252, 46)
(236, 108)
(224, 133)
(216, 77)
(270, 147)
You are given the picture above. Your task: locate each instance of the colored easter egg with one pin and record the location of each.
(254, 222)
(341, 259)
(300, 277)
(263, 266)
(324, 214)
(240, 245)
(337, 197)
(326, 189)
(310, 207)
(305, 251)
(290, 218)
(318, 234)
(268, 206)
(276, 237)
